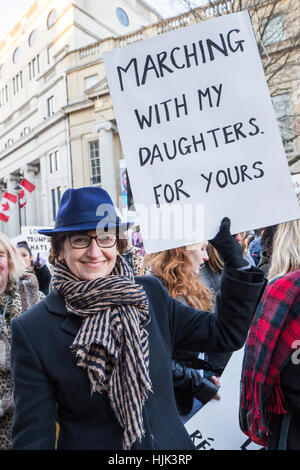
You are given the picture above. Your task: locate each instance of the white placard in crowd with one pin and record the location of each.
(296, 182)
(39, 244)
(216, 425)
(199, 133)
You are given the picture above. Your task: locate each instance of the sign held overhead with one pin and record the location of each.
(199, 133)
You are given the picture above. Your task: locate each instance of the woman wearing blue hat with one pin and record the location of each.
(96, 353)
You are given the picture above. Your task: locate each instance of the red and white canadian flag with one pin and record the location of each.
(27, 187)
(7, 203)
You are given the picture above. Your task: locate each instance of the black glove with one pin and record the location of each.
(190, 383)
(228, 247)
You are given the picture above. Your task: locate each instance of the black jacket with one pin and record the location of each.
(188, 383)
(48, 384)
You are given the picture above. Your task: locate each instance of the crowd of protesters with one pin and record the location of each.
(113, 337)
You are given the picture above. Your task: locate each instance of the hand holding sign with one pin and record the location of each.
(228, 247)
(199, 133)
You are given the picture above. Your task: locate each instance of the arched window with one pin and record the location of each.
(32, 38)
(122, 16)
(16, 55)
(51, 18)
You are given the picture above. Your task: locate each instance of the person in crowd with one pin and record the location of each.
(267, 245)
(96, 353)
(41, 271)
(133, 256)
(255, 247)
(18, 292)
(178, 269)
(286, 249)
(210, 272)
(242, 238)
(270, 400)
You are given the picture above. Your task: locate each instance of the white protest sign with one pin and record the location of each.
(198, 132)
(216, 425)
(37, 243)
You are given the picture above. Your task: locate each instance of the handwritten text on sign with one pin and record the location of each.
(197, 127)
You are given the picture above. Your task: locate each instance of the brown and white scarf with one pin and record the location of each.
(112, 342)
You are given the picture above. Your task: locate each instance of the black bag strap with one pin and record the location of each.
(284, 429)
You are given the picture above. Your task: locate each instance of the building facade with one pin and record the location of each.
(34, 125)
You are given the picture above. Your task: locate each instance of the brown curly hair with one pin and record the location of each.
(58, 239)
(174, 268)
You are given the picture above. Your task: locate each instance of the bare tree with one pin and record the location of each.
(276, 27)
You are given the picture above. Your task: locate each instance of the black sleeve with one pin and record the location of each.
(227, 328)
(35, 412)
(189, 380)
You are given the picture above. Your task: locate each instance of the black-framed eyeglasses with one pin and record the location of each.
(78, 240)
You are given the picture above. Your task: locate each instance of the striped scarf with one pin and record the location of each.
(274, 330)
(112, 342)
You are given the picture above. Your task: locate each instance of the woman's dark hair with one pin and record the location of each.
(58, 239)
(24, 245)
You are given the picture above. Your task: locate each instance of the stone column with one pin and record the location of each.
(30, 210)
(107, 160)
(13, 225)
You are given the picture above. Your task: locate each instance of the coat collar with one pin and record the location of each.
(56, 305)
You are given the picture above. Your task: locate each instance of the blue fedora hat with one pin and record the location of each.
(84, 209)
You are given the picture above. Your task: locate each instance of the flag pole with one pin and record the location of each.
(18, 188)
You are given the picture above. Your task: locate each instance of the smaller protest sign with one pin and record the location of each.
(39, 244)
(296, 182)
(216, 425)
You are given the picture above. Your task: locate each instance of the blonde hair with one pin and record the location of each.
(286, 249)
(15, 263)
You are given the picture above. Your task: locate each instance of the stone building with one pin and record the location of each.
(34, 123)
(57, 122)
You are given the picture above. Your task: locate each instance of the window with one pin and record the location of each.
(55, 198)
(3, 96)
(122, 16)
(25, 131)
(273, 30)
(58, 194)
(54, 162)
(2, 71)
(282, 107)
(9, 142)
(51, 18)
(18, 82)
(50, 106)
(48, 55)
(34, 67)
(95, 162)
(90, 81)
(32, 38)
(53, 204)
(16, 55)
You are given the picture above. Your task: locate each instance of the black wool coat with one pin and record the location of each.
(48, 385)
